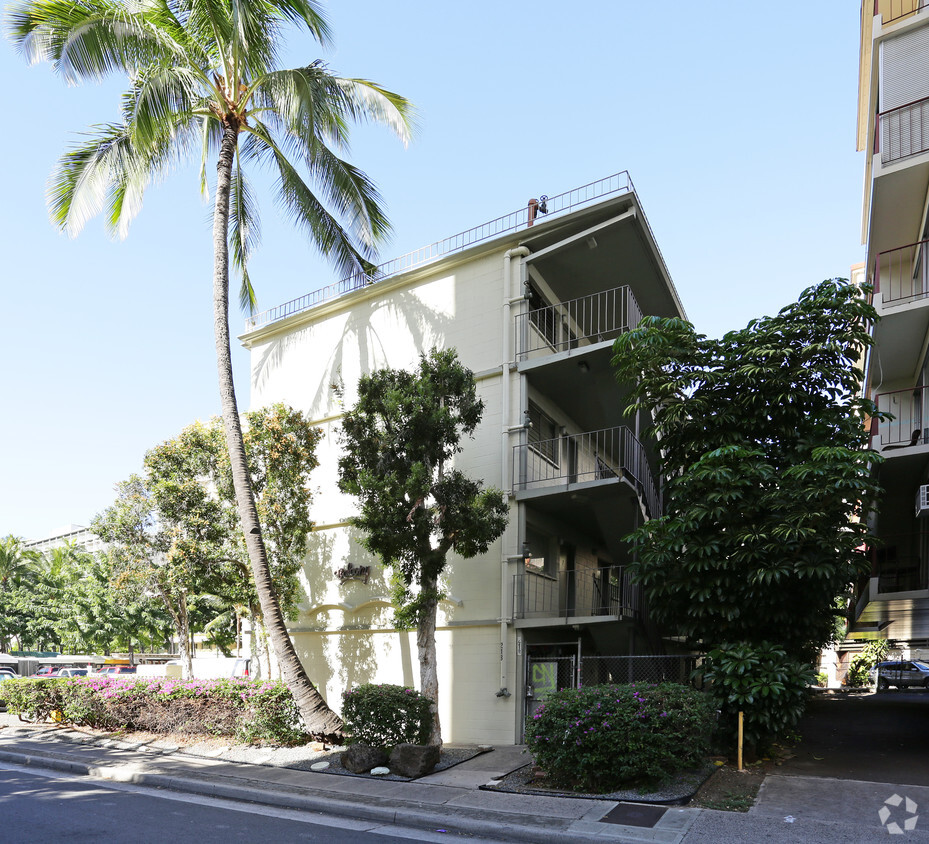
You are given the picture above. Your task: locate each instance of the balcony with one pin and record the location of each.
(894, 10)
(898, 565)
(606, 593)
(576, 323)
(901, 275)
(909, 409)
(902, 132)
(609, 455)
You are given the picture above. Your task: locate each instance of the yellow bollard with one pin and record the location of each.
(741, 717)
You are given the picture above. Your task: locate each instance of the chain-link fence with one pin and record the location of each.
(602, 670)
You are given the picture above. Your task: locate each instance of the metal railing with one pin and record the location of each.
(591, 456)
(577, 322)
(910, 413)
(903, 131)
(576, 593)
(514, 221)
(893, 10)
(899, 562)
(901, 275)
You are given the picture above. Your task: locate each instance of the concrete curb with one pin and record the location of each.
(402, 813)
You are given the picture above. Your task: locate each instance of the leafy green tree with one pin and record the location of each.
(203, 77)
(768, 482)
(415, 508)
(20, 577)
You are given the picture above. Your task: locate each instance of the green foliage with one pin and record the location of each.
(768, 478)
(860, 668)
(763, 682)
(822, 679)
(415, 508)
(385, 715)
(252, 711)
(600, 738)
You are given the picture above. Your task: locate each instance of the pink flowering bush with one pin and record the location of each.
(385, 716)
(254, 711)
(600, 738)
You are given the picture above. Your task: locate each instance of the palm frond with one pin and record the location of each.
(244, 235)
(369, 101)
(304, 208)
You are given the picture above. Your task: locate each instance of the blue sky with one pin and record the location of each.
(735, 121)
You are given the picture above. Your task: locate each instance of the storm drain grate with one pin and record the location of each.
(634, 814)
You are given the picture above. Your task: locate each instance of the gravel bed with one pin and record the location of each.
(676, 791)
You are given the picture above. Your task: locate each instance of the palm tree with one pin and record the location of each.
(203, 76)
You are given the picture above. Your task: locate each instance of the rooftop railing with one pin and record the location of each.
(577, 322)
(902, 275)
(523, 218)
(592, 456)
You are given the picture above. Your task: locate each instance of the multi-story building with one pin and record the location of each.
(81, 537)
(893, 131)
(532, 302)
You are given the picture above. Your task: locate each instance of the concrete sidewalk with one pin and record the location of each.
(788, 809)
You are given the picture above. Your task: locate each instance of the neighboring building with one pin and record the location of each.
(81, 537)
(532, 302)
(893, 131)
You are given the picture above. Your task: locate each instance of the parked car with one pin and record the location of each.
(6, 671)
(70, 672)
(45, 671)
(902, 674)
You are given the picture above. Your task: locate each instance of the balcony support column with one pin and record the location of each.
(505, 461)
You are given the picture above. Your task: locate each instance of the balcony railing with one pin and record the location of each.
(563, 203)
(910, 412)
(576, 593)
(899, 563)
(902, 275)
(593, 456)
(578, 322)
(903, 131)
(893, 10)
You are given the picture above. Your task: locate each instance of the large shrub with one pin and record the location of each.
(253, 711)
(600, 738)
(385, 715)
(762, 682)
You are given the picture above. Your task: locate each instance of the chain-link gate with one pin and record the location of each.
(546, 675)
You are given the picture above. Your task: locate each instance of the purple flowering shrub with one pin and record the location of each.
(601, 738)
(254, 711)
(385, 716)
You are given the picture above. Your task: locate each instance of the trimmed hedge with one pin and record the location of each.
(385, 716)
(601, 738)
(251, 711)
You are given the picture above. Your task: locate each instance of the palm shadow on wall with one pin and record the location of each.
(425, 327)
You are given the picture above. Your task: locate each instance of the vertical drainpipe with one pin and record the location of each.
(518, 252)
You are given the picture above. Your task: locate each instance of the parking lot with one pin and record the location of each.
(877, 737)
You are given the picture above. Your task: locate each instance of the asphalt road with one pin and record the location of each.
(882, 737)
(48, 807)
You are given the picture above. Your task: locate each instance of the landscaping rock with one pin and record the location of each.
(380, 772)
(414, 760)
(361, 758)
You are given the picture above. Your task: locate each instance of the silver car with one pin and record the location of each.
(902, 674)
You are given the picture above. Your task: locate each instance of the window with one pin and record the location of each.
(542, 316)
(543, 437)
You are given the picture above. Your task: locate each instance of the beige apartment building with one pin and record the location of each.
(893, 131)
(532, 302)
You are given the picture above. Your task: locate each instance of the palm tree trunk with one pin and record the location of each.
(425, 649)
(318, 718)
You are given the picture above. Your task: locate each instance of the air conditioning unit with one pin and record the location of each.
(922, 501)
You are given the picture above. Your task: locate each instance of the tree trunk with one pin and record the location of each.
(318, 718)
(425, 648)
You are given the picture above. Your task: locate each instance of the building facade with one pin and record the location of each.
(892, 601)
(532, 303)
